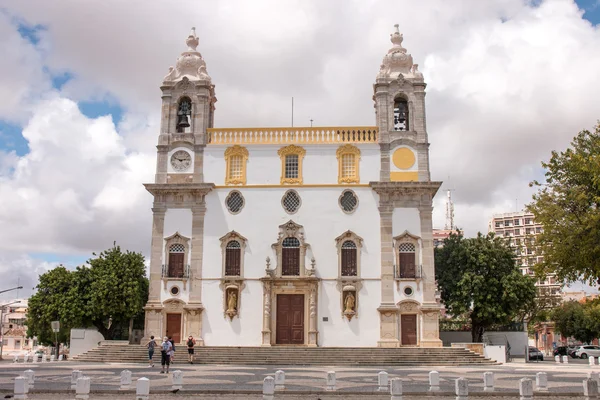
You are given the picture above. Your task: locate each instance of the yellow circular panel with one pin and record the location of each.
(403, 158)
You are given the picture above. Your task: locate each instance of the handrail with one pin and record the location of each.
(306, 135)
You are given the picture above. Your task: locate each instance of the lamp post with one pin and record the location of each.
(8, 290)
(2, 325)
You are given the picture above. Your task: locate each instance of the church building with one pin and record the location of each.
(306, 236)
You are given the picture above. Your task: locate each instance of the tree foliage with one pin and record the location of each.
(107, 293)
(577, 320)
(478, 278)
(568, 206)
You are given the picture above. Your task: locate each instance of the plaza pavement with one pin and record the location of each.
(308, 382)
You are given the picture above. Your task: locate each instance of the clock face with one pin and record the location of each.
(181, 160)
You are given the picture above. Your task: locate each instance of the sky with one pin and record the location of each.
(508, 82)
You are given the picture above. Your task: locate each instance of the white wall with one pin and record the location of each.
(320, 164)
(83, 340)
(517, 340)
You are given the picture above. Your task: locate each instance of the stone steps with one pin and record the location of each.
(294, 355)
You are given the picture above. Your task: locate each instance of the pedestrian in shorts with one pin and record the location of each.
(165, 354)
(191, 342)
(151, 345)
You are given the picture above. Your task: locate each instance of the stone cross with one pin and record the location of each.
(30, 375)
(142, 389)
(434, 381)
(76, 374)
(396, 389)
(21, 388)
(125, 380)
(591, 361)
(462, 389)
(382, 379)
(268, 388)
(557, 359)
(82, 389)
(280, 380)
(565, 359)
(590, 389)
(541, 381)
(488, 381)
(330, 381)
(526, 389)
(177, 380)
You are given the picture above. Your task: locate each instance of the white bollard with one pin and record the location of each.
(177, 377)
(526, 389)
(462, 389)
(396, 389)
(279, 380)
(488, 381)
(82, 388)
(591, 361)
(434, 381)
(60, 358)
(21, 387)
(541, 381)
(594, 375)
(142, 389)
(25, 358)
(382, 379)
(268, 388)
(590, 389)
(557, 359)
(330, 381)
(16, 359)
(30, 375)
(125, 379)
(76, 374)
(52, 358)
(565, 359)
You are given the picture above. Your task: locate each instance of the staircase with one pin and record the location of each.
(279, 355)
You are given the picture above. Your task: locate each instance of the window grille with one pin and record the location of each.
(235, 202)
(291, 201)
(349, 259)
(348, 201)
(177, 248)
(236, 167)
(233, 254)
(291, 166)
(348, 166)
(290, 256)
(407, 248)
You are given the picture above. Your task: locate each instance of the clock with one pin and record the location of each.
(181, 160)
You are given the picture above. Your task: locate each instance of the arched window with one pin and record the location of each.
(349, 259)
(348, 157)
(291, 164)
(290, 260)
(184, 114)
(407, 260)
(400, 114)
(233, 258)
(235, 159)
(176, 260)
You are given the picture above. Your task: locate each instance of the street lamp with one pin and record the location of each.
(8, 290)
(2, 324)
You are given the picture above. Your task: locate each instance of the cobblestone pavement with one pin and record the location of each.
(44, 396)
(310, 379)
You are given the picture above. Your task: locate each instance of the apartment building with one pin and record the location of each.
(520, 229)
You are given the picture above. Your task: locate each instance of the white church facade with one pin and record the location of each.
(317, 236)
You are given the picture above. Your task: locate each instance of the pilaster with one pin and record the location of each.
(198, 213)
(156, 250)
(388, 311)
(427, 261)
(198, 164)
(162, 159)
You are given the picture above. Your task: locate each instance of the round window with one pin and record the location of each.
(408, 291)
(291, 201)
(175, 290)
(348, 201)
(234, 202)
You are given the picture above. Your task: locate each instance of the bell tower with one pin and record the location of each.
(188, 104)
(399, 95)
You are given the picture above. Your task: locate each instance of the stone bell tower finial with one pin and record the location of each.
(192, 40)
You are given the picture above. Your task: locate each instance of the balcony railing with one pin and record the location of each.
(185, 274)
(360, 134)
(415, 273)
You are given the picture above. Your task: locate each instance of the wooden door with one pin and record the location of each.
(408, 326)
(176, 265)
(407, 265)
(290, 319)
(174, 327)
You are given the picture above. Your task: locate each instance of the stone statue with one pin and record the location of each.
(349, 303)
(232, 302)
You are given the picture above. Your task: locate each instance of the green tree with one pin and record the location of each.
(108, 294)
(581, 321)
(478, 278)
(568, 206)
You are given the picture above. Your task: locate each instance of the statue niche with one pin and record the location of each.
(349, 302)
(231, 296)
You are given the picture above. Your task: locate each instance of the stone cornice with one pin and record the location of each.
(394, 189)
(179, 188)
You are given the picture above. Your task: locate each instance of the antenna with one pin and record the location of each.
(311, 121)
(292, 111)
(449, 210)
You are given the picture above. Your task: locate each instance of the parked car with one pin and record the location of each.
(535, 354)
(561, 351)
(573, 353)
(586, 351)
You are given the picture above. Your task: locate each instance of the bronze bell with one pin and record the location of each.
(182, 121)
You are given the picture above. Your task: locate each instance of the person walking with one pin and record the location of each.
(151, 345)
(172, 354)
(165, 354)
(191, 342)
